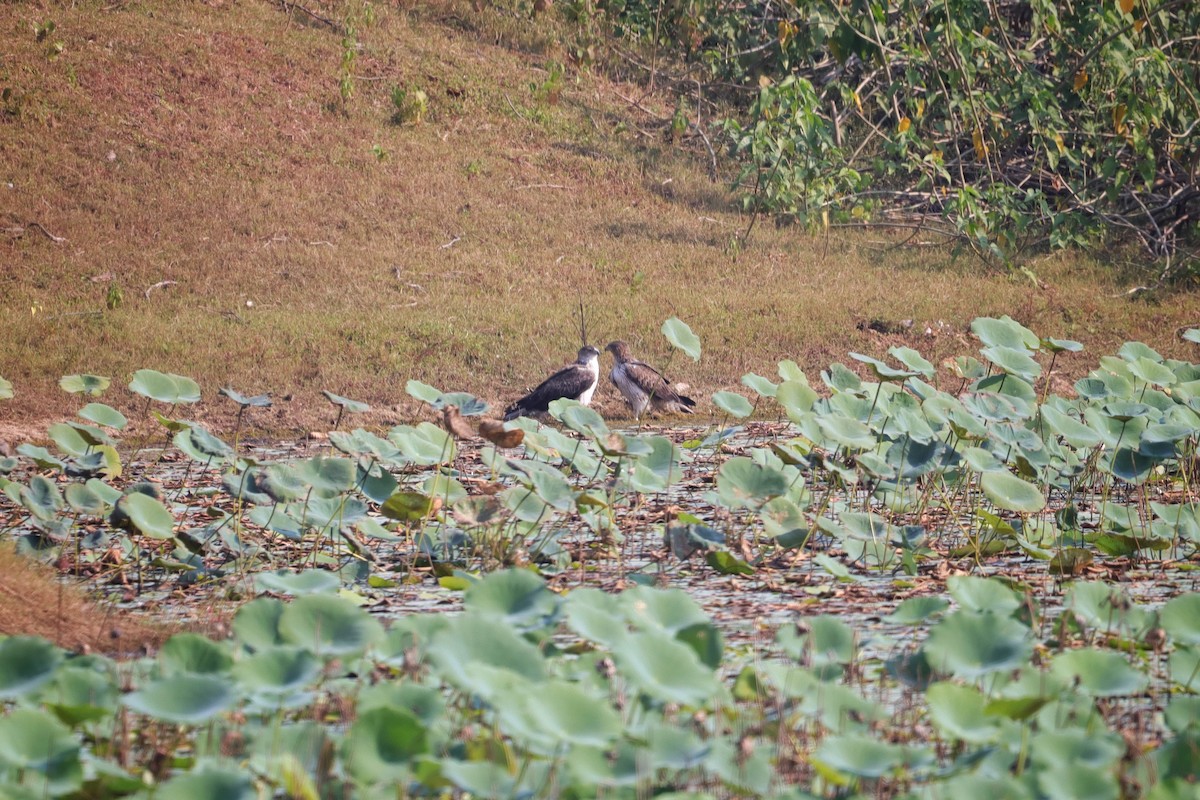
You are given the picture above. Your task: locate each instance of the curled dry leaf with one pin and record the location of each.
(453, 422)
(496, 433)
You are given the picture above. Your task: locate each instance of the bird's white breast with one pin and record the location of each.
(592, 366)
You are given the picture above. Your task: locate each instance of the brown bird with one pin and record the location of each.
(643, 386)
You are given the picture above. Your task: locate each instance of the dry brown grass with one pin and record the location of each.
(34, 602)
(206, 144)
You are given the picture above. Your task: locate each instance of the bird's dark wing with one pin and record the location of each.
(570, 381)
(662, 394)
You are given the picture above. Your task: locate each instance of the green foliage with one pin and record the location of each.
(1017, 124)
(442, 703)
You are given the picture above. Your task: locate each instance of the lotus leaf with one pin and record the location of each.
(193, 653)
(309, 581)
(761, 386)
(970, 645)
(1180, 618)
(25, 664)
(43, 750)
(346, 404)
(1067, 781)
(859, 756)
(472, 641)
(596, 615)
(580, 418)
(209, 782)
(186, 699)
(516, 596)
(382, 744)
(960, 712)
(1011, 493)
(680, 336)
(1099, 673)
(146, 514)
(1005, 332)
(915, 610)
(664, 669)
(164, 387)
(328, 625)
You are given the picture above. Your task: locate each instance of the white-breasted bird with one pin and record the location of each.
(575, 381)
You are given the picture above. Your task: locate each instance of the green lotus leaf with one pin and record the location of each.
(916, 610)
(1004, 332)
(193, 653)
(82, 693)
(256, 624)
(764, 387)
(41, 497)
(104, 415)
(859, 756)
(579, 418)
(277, 670)
(596, 615)
(882, 371)
(970, 645)
(1180, 618)
(425, 444)
(208, 782)
(561, 712)
(1067, 781)
(382, 744)
(983, 594)
(681, 337)
(43, 749)
(732, 404)
(25, 664)
(1108, 608)
(350, 406)
(1011, 493)
(664, 669)
(670, 610)
(1074, 432)
(1052, 345)
(471, 641)
(164, 387)
(913, 360)
(517, 596)
(424, 702)
(328, 625)
(41, 456)
(309, 581)
(6, 389)
(741, 483)
(959, 712)
(250, 401)
(1099, 673)
(818, 640)
(148, 515)
(93, 385)
(846, 432)
(185, 699)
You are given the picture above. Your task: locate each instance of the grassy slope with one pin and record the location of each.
(205, 144)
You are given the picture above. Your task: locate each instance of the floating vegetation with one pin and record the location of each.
(884, 503)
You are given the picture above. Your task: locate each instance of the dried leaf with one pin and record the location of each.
(453, 422)
(496, 433)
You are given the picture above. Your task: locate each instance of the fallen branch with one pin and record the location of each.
(289, 7)
(49, 235)
(159, 285)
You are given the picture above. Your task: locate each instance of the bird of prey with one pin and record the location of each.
(575, 382)
(643, 386)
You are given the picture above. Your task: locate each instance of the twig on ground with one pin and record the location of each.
(540, 186)
(49, 235)
(159, 285)
(289, 7)
(450, 243)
